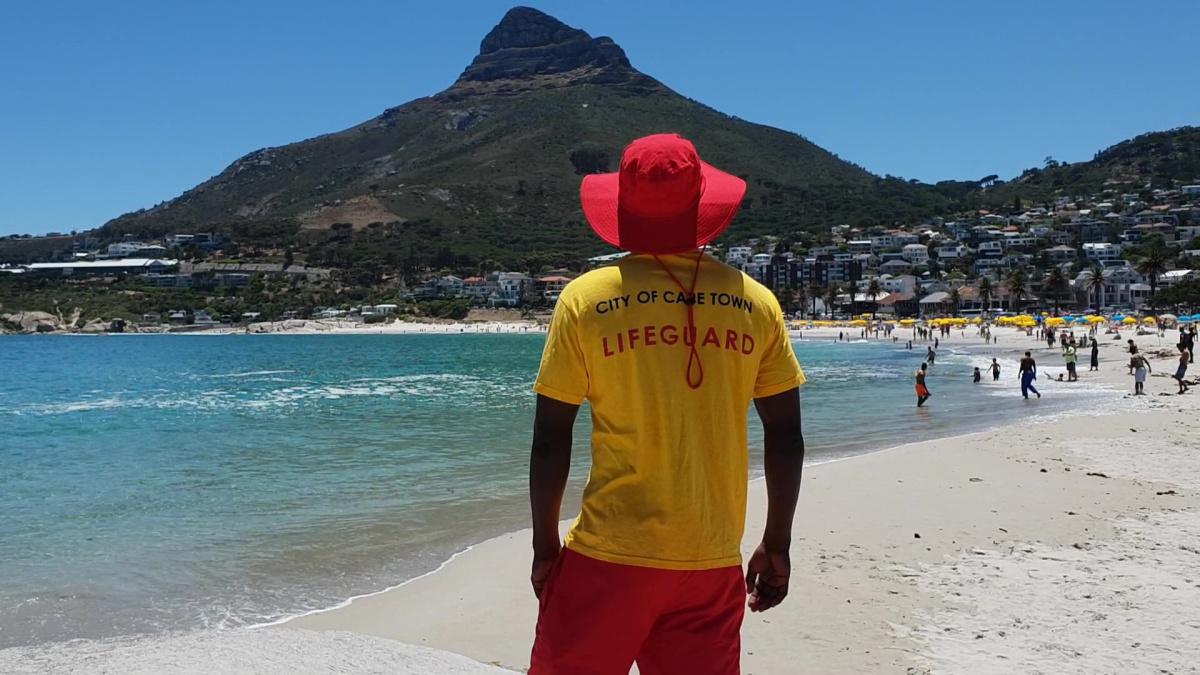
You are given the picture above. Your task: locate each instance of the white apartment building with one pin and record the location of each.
(738, 255)
(916, 254)
(1101, 251)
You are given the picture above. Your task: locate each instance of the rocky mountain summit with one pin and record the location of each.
(530, 48)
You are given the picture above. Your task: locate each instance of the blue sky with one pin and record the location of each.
(109, 107)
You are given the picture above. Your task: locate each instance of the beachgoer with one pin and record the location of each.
(1181, 371)
(1133, 349)
(1139, 366)
(923, 392)
(650, 572)
(930, 355)
(1095, 355)
(1070, 356)
(1188, 339)
(977, 376)
(995, 368)
(1028, 374)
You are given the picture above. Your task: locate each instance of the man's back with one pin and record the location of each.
(668, 481)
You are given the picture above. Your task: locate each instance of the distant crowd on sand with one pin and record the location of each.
(1139, 365)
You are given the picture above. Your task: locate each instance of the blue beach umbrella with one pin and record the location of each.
(1118, 317)
(1080, 319)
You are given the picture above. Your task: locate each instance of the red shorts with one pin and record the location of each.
(597, 618)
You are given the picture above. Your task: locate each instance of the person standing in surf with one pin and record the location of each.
(1028, 374)
(669, 346)
(923, 392)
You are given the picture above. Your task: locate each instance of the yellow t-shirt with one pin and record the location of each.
(667, 487)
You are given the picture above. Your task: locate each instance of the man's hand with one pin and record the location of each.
(542, 564)
(767, 576)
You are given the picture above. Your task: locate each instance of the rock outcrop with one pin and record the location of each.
(30, 322)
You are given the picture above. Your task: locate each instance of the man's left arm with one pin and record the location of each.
(769, 569)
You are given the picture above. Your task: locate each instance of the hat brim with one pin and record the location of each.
(720, 200)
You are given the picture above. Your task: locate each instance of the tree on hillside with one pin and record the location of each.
(1017, 279)
(1184, 295)
(800, 297)
(874, 290)
(955, 301)
(787, 300)
(1056, 284)
(1095, 284)
(985, 294)
(1153, 262)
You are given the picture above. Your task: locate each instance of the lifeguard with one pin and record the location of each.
(669, 346)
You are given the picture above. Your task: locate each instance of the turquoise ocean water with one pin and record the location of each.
(152, 483)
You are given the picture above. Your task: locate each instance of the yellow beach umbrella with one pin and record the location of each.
(1129, 320)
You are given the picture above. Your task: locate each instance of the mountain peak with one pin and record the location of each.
(529, 45)
(525, 28)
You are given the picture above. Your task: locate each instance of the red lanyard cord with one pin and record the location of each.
(690, 301)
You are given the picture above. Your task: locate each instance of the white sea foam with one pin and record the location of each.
(252, 373)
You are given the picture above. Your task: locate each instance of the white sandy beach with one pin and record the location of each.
(1069, 545)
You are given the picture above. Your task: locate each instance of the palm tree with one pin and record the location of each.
(1096, 284)
(831, 298)
(815, 291)
(787, 299)
(1153, 262)
(1016, 286)
(955, 300)
(985, 293)
(1056, 283)
(874, 291)
(800, 297)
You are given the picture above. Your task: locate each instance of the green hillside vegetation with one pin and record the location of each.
(1158, 160)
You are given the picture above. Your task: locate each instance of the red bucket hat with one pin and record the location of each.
(663, 200)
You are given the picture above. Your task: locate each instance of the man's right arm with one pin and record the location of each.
(769, 570)
(549, 466)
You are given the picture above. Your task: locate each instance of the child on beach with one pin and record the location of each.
(976, 376)
(995, 368)
(1184, 355)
